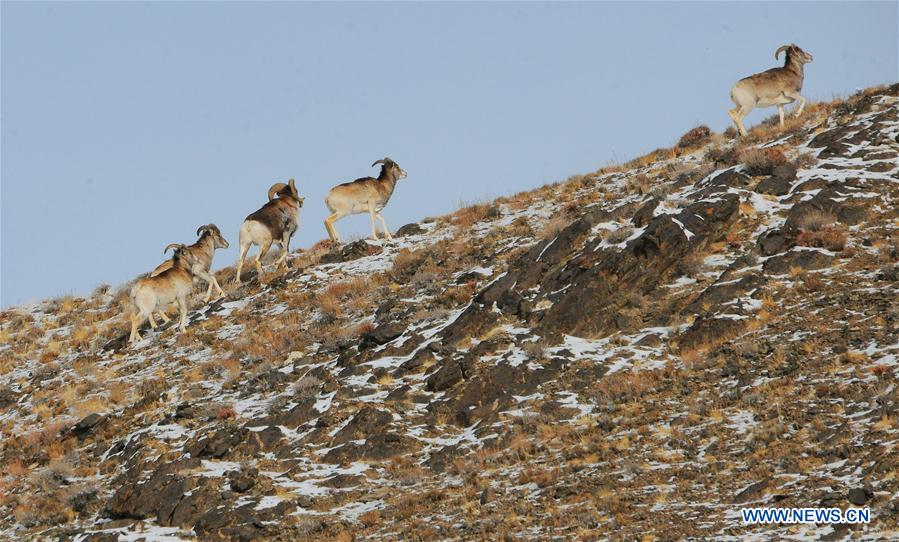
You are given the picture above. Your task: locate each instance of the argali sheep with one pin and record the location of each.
(150, 294)
(777, 86)
(365, 195)
(275, 222)
(201, 253)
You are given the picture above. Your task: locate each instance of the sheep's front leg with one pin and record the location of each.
(210, 279)
(384, 225)
(780, 111)
(801, 106)
(371, 214)
(795, 96)
(182, 308)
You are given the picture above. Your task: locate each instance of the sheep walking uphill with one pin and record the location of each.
(777, 86)
(172, 285)
(365, 195)
(275, 222)
(201, 253)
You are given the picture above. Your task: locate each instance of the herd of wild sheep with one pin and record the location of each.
(276, 221)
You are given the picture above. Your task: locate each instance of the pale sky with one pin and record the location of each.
(125, 126)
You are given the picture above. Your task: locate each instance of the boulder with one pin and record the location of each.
(381, 335)
(351, 251)
(774, 186)
(802, 259)
(409, 229)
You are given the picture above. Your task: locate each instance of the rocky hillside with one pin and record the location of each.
(630, 354)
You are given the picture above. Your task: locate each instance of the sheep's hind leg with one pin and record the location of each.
(332, 230)
(243, 254)
(182, 308)
(374, 229)
(737, 114)
(263, 249)
(135, 324)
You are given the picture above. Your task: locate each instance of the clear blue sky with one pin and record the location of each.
(127, 125)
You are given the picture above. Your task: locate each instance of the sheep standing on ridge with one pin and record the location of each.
(275, 222)
(151, 294)
(777, 86)
(365, 195)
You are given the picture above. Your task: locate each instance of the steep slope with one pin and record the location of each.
(637, 352)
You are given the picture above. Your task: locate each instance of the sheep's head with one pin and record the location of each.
(794, 51)
(218, 240)
(179, 251)
(391, 168)
(285, 190)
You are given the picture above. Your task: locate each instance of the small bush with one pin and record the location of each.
(805, 160)
(723, 156)
(306, 387)
(469, 215)
(695, 137)
(638, 184)
(690, 266)
(762, 161)
(830, 238)
(535, 351)
(556, 224)
(619, 235)
(816, 220)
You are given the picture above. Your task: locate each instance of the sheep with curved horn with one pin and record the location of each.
(201, 252)
(173, 285)
(777, 86)
(365, 195)
(275, 222)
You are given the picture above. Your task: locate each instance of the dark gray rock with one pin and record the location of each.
(87, 425)
(366, 422)
(409, 229)
(785, 172)
(774, 186)
(859, 495)
(773, 241)
(802, 259)
(351, 251)
(381, 335)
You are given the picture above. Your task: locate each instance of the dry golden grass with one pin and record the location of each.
(762, 161)
(695, 137)
(469, 215)
(91, 405)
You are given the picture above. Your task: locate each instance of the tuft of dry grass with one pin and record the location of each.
(762, 161)
(695, 137)
(815, 220)
(830, 238)
(469, 215)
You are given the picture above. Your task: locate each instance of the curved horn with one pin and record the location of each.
(277, 187)
(176, 245)
(201, 229)
(381, 161)
(779, 49)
